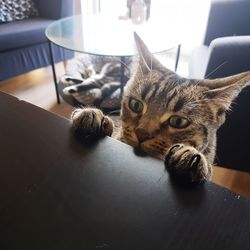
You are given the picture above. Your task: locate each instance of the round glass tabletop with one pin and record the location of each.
(99, 35)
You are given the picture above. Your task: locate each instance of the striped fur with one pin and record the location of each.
(159, 96)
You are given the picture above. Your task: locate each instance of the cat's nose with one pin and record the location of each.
(143, 134)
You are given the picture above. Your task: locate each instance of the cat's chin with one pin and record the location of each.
(147, 150)
(151, 152)
(139, 152)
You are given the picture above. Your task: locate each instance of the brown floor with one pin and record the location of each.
(37, 88)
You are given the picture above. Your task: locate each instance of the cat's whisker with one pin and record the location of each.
(213, 71)
(209, 74)
(113, 111)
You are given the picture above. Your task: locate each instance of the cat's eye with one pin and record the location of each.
(178, 122)
(135, 105)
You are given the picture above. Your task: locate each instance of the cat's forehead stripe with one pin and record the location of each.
(179, 104)
(149, 91)
(170, 98)
(159, 90)
(150, 88)
(153, 92)
(145, 91)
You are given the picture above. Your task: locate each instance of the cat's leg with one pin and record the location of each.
(91, 123)
(188, 163)
(71, 79)
(73, 72)
(84, 86)
(109, 88)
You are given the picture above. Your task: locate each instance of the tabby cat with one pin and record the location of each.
(168, 116)
(95, 80)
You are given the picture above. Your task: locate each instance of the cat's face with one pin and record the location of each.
(156, 116)
(161, 109)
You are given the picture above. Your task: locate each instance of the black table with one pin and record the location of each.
(57, 193)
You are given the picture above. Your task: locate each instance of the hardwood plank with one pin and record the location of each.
(236, 181)
(37, 87)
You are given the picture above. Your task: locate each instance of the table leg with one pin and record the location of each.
(177, 57)
(54, 71)
(123, 78)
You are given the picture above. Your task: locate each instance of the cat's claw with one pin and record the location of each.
(187, 163)
(91, 123)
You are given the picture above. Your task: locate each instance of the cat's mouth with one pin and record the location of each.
(143, 148)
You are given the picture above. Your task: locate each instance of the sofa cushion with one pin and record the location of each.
(197, 63)
(17, 10)
(23, 33)
(22, 60)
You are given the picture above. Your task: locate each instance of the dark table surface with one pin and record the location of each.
(57, 193)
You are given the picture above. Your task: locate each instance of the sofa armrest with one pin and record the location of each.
(228, 56)
(54, 9)
(227, 18)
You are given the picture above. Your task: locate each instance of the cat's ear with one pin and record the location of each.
(147, 60)
(224, 90)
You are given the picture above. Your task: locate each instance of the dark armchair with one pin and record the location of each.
(226, 47)
(226, 51)
(23, 44)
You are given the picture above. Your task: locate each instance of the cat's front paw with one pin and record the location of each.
(186, 163)
(91, 123)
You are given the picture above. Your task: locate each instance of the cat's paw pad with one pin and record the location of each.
(187, 163)
(91, 123)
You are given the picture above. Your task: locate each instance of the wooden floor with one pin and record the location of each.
(37, 88)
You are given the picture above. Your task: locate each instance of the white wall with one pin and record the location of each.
(188, 16)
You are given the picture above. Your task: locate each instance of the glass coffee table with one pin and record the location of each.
(103, 36)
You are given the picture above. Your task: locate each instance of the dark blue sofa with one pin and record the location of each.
(23, 44)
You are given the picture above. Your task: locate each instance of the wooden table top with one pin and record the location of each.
(57, 193)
